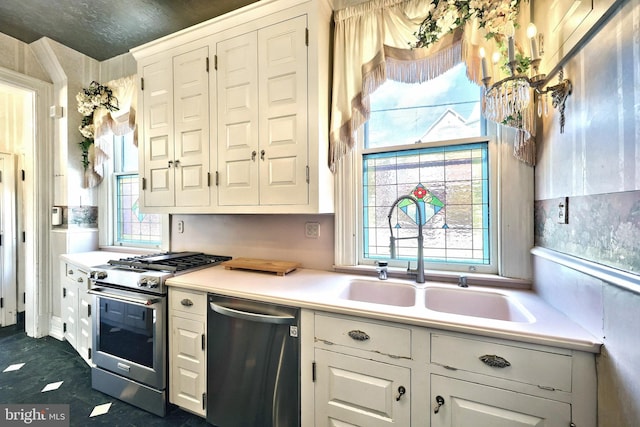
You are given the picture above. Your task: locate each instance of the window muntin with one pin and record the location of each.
(416, 143)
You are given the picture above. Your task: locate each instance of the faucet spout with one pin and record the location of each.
(419, 237)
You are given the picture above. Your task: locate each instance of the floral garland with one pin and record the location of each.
(89, 99)
(444, 16)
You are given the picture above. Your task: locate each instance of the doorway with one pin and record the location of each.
(25, 146)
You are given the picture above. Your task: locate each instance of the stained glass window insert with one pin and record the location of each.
(450, 185)
(134, 227)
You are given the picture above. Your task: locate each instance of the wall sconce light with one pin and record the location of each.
(506, 99)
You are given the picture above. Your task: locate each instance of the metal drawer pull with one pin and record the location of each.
(186, 302)
(494, 361)
(358, 335)
(439, 403)
(401, 391)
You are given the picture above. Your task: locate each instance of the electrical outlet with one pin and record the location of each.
(312, 230)
(563, 211)
(181, 226)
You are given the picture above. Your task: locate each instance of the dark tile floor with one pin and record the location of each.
(48, 360)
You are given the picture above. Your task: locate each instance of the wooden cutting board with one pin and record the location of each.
(266, 265)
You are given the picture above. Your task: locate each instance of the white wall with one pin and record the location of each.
(599, 155)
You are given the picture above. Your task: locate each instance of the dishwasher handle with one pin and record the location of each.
(251, 316)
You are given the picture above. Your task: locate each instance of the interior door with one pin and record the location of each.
(8, 290)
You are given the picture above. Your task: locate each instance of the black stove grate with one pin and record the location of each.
(171, 261)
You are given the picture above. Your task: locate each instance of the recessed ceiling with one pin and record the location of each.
(102, 29)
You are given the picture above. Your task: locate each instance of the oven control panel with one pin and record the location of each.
(149, 282)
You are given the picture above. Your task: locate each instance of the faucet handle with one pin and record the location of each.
(382, 270)
(462, 281)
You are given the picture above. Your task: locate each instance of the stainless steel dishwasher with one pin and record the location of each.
(253, 364)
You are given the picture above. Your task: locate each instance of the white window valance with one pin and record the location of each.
(373, 42)
(109, 123)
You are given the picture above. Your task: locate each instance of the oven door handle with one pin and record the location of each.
(144, 302)
(255, 317)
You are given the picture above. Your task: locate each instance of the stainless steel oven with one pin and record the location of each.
(130, 325)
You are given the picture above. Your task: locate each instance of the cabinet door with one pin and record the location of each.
(282, 86)
(157, 106)
(69, 307)
(187, 364)
(237, 82)
(84, 320)
(191, 108)
(469, 404)
(360, 392)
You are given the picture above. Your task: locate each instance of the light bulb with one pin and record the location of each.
(482, 52)
(495, 58)
(509, 29)
(531, 33)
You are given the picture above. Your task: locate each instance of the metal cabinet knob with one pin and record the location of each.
(186, 302)
(494, 361)
(439, 403)
(359, 335)
(401, 391)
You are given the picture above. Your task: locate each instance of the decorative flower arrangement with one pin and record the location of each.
(444, 16)
(89, 99)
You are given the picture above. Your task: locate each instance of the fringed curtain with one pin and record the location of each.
(109, 123)
(373, 43)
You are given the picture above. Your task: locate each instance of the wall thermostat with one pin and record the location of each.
(56, 215)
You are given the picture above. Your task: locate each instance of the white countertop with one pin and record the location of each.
(92, 259)
(321, 290)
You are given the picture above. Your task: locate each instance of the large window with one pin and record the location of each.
(427, 140)
(127, 224)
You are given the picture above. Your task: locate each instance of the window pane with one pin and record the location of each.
(129, 152)
(444, 108)
(451, 185)
(132, 226)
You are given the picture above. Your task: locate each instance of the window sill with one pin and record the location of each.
(478, 279)
(130, 250)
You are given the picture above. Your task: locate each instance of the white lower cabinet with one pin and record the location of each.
(76, 309)
(366, 387)
(375, 373)
(362, 392)
(467, 404)
(187, 350)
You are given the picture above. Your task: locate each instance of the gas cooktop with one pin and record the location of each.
(171, 261)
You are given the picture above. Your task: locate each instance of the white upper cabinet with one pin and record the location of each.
(175, 144)
(237, 82)
(262, 116)
(251, 136)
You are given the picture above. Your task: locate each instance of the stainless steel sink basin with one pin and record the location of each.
(380, 292)
(484, 304)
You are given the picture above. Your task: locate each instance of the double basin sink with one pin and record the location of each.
(481, 303)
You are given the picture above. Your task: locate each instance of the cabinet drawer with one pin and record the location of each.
(188, 301)
(76, 275)
(391, 340)
(536, 367)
